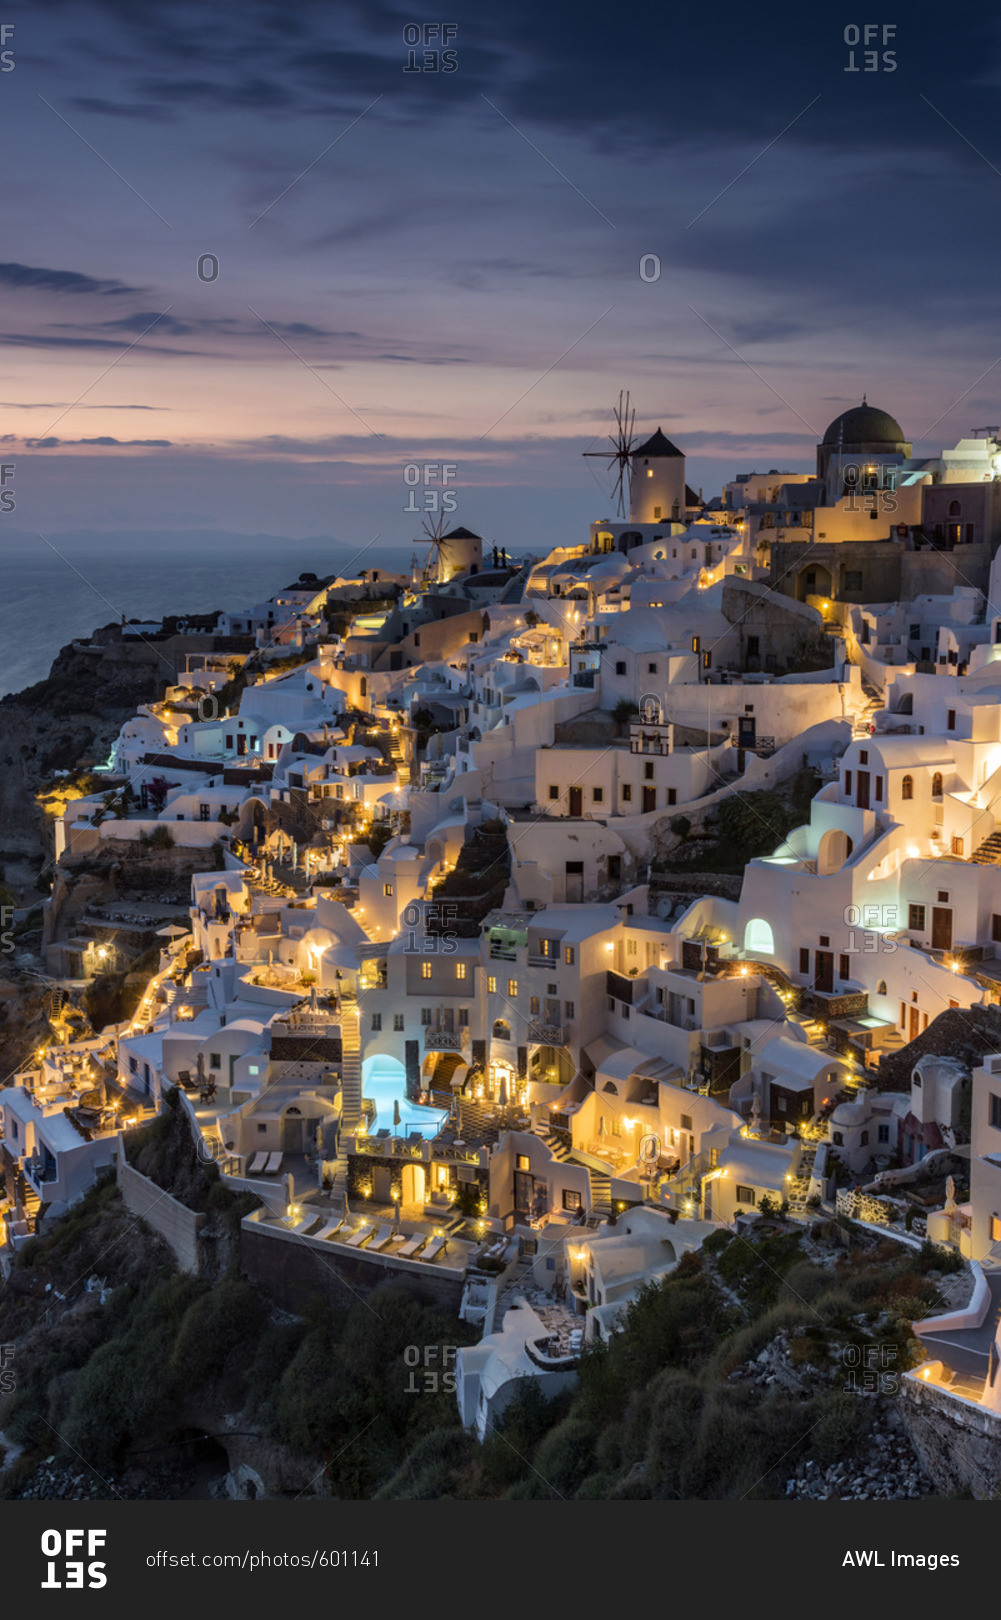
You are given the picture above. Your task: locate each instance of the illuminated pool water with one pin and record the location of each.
(384, 1081)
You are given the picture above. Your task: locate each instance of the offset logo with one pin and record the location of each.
(70, 1561)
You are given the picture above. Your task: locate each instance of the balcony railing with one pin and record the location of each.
(547, 1034)
(443, 1040)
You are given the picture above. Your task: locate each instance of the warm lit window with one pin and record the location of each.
(568, 955)
(425, 970)
(907, 787)
(460, 970)
(522, 1162)
(492, 985)
(387, 889)
(512, 987)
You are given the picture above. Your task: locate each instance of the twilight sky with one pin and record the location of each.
(421, 266)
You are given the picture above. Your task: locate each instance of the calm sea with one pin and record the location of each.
(46, 600)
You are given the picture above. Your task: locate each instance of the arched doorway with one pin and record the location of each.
(414, 1185)
(758, 937)
(813, 580)
(832, 852)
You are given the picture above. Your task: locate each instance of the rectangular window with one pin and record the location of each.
(554, 791)
(879, 788)
(571, 1200)
(463, 1017)
(534, 1006)
(848, 781)
(804, 959)
(569, 955)
(522, 1162)
(425, 1017)
(398, 1024)
(627, 792)
(492, 984)
(376, 1021)
(686, 1122)
(648, 773)
(844, 967)
(568, 1010)
(996, 927)
(512, 987)
(597, 794)
(215, 1062)
(744, 1195)
(651, 669)
(620, 668)
(203, 812)
(916, 918)
(672, 795)
(425, 970)
(460, 970)
(950, 723)
(995, 1112)
(957, 845)
(883, 1134)
(387, 889)
(996, 1228)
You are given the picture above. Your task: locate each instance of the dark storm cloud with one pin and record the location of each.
(649, 80)
(142, 111)
(44, 340)
(105, 441)
(29, 277)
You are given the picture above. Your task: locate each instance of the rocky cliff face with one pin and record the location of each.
(66, 722)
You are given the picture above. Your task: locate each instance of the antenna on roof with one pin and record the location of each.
(622, 442)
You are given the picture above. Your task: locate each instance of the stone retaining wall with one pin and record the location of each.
(175, 1222)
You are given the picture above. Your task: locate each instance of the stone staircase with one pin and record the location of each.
(601, 1195)
(866, 719)
(989, 852)
(398, 757)
(557, 1147)
(351, 1104)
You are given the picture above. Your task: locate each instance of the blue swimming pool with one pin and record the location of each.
(383, 1080)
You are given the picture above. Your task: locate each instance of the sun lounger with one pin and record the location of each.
(356, 1239)
(273, 1165)
(257, 1164)
(331, 1229)
(433, 1249)
(381, 1238)
(304, 1223)
(412, 1245)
